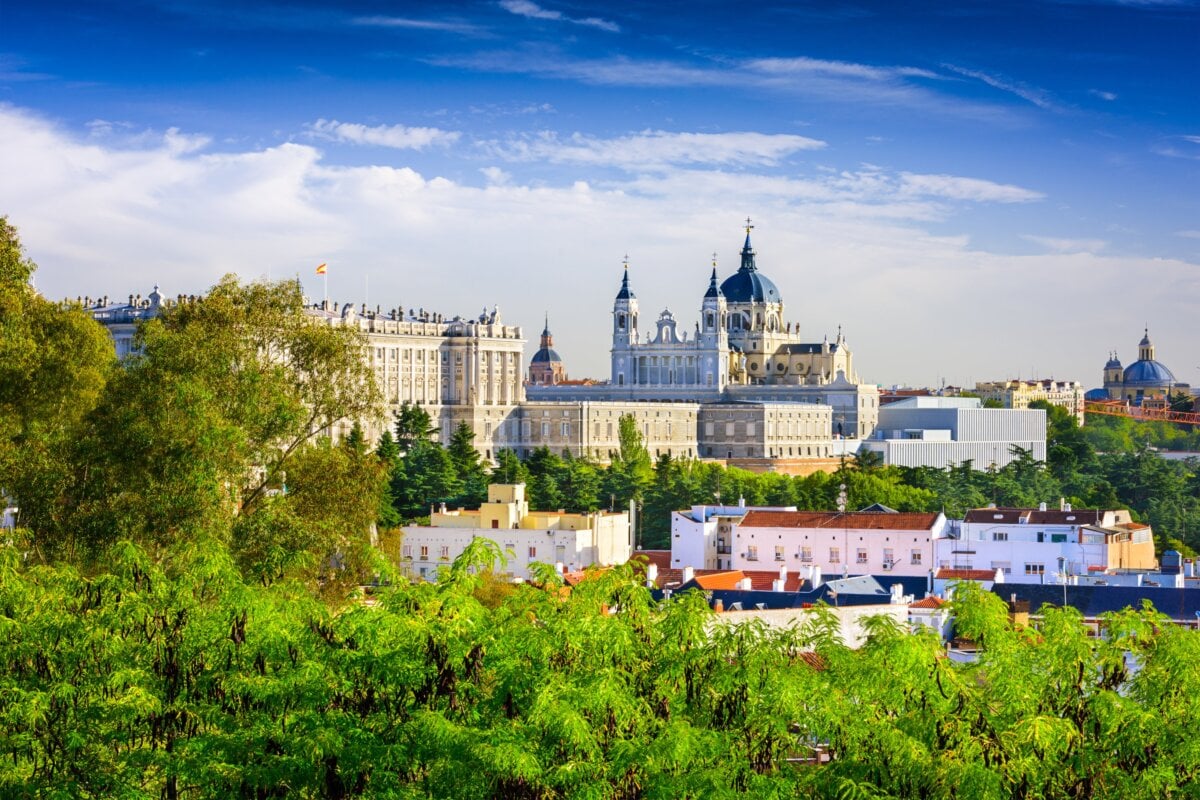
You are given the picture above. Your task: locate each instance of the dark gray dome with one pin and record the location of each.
(748, 285)
(545, 355)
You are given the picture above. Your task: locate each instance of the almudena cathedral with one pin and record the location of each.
(743, 387)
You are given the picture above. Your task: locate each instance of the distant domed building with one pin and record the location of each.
(1143, 379)
(546, 367)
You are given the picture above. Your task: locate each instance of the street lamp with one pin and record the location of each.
(1062, 570)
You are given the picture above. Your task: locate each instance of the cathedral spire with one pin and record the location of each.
(714, 290)
(748, 252)
(626, 293)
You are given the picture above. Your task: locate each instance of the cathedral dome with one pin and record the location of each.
(1148, 373)
(748, 285)
(544, 356)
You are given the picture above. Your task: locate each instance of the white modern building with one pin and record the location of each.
(821, 542)
(1045, 545)
(937, 431)
(574, 541)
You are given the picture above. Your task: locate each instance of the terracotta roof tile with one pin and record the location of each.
(832, 519)
(928, 602)
(660, 558)
(720, 580)
(966, 574)
(764, 580)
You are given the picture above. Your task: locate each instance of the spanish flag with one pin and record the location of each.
(321, 270)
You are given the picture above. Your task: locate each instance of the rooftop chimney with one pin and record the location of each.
(651, 575)
(688, 574)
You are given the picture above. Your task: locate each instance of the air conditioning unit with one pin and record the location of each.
(888, 564)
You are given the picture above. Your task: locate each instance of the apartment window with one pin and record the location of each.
(835, 555)
(545, 430)
(1058, 538)
(729, 429)
(566, 429)
(533, 551)
(806, 554)
(1035, 569)
(916, 557)
(752, 553)
(709, 429)
(444, 555)
(999, 536)
(862, 556)
(406, 550)
(424, 552)
(779, 552)
(889, 557)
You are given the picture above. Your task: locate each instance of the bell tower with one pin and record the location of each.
(713, 313)
(625, 332)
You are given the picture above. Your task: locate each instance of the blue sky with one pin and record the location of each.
(972, 190)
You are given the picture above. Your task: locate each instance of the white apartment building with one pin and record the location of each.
(1044, 545)
(836, 543)
(575, 541)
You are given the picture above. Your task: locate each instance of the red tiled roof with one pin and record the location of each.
(764, 580)
(833, 519)
(1011, 516)
(660, 558)
(929, 602)
(966, 574)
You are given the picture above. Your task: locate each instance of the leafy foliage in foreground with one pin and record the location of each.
(178, 679)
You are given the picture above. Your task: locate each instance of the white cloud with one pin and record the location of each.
(850, 247)
(1039, 97)
(445, 25)
(839, 69)
(656, 149)
(1103, 95)
(1058, 245)
(1188, 234)
(954, 187)
(496, 176)
(531, 10)
(400, 137)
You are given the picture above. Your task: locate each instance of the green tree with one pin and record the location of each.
(54, 364)
(412, 424)
(471, 472)
(202, 422)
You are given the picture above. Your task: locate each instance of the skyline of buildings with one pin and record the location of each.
(1013, 200)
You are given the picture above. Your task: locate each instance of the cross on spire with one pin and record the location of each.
(749, 227)
(714, 259)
